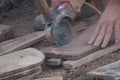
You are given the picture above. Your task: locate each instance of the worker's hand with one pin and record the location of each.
(108, 26)
(75, 4)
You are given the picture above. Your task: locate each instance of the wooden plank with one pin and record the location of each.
(91, 57)
(21, 42)
(77, 49)
(6, 32)
(107, 72)
(51, 78)
(19, 61)
(23, 74)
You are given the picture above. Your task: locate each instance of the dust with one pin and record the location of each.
(21, 19)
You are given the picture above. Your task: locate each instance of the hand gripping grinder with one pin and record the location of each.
(59, 24)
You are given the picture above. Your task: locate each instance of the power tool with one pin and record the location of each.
(59, 24)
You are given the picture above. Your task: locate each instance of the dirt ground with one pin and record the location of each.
(21, 19)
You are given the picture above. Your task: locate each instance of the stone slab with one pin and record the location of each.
(77, 49)
(21, 42)
(30, 77)
(20, 61)
(23, 74)
(91, 57)
(107, 72)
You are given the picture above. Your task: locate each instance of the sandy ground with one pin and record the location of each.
(21, 19)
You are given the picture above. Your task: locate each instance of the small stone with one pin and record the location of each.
(54, 62)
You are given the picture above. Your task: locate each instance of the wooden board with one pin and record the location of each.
(107, 72)
(6, 32)
(77, 49)
(20, 61)
(23, 74)
(21, 42)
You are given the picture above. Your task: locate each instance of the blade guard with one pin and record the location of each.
(61, 27)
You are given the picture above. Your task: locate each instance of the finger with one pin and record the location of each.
(93, 38)
(101, 35)
(75, 5)
(53, 7)
(108, 35)
(117, 32)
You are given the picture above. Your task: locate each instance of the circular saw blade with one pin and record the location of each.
(61, 32)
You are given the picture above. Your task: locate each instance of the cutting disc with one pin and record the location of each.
(61, 32)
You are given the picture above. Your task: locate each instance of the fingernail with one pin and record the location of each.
(89, 42)
(103, 46)
(96, 44)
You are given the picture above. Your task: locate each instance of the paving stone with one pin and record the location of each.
(77, 49)
(77, 63)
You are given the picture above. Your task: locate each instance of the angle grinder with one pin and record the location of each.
(58, 25)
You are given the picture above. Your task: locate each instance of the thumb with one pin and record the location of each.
(77, 4)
